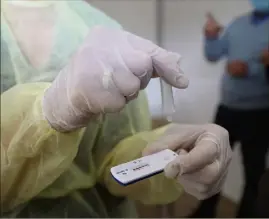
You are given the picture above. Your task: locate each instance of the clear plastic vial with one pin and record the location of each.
(168, 105)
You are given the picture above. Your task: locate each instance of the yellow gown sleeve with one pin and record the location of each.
(33, 155)
(152, 191)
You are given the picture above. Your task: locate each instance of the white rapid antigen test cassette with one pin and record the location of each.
(142, 168)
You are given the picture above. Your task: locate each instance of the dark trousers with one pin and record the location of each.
(251, 129)
(263, 197)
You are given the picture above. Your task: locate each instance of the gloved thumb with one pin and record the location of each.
(175, 137)
(203, 154)
(159, 145)
(166, 64)
(151, 150)
(174, 169)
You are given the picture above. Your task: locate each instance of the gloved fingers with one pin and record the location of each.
(140, 64)
(195, 189)
(200, 181)
(110, 102)
(204, 153)
(202, 189)
(174, 139)
(207, 175)
(107, 101)
(216, 188)
(219, 185)
(171, 142)
(172, 169)
(125, 81)
(159, 145)
(102, 96)
(166, 64)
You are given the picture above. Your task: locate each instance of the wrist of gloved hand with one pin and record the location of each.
(60, 113)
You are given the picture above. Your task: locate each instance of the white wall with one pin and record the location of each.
(137, 16)
(184, 20)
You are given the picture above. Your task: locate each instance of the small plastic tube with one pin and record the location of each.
(168, 105)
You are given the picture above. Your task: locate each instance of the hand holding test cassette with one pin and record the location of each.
(142, 168)
(200, 164)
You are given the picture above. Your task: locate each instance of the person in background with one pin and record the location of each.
(73, 106)
(244, 102)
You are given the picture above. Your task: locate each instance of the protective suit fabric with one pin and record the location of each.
(45, 173)
(32, 154)
(151, 191)
(52, 172)
(68, 20)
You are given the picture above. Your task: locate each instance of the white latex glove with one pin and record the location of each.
(204, 157)
(106, 72)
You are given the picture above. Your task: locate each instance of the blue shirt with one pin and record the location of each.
(244, 39)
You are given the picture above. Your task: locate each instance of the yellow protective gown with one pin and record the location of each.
(45, 173)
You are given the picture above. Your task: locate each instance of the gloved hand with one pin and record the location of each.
(106, 72)
(204, 157)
